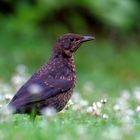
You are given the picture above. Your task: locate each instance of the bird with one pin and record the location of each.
(52, 85)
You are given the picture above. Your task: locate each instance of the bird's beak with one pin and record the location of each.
(87, 38)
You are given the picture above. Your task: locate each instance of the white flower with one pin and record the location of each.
(70, 102)
(138, 109)
(103, 101)
(130, 112)
(7, 110)
(35, 89)
(8, 97)
(5, 113)
(136, 93)
(1, 106)
(89, 109)
(48, 111)
(76, 97)
(1, 97)
(17, 79)
(125, 94)
(117, 107)
(21, 69)
(83, 102)
(126, 119)
(99, 104)
(105, 116)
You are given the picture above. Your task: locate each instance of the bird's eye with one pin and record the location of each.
(71, 39)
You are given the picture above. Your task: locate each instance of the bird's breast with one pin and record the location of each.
(58, 68)
(63, 69)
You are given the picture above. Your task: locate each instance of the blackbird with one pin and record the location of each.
(52, 85)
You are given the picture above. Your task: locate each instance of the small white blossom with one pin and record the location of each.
(89, 109)
(126, 119)
(136, 93)
(130, 112)
(94, 106)
(99, 104)
(83, 102)
(22, 69)
(97, 112)
(35, 89)
(1, 97)
(117, 107)
(7, 110)
(48, 111)
(125, 94)
(105, 116)
(76, 97)
(138, 109)
(5, 113)
(8, 97)
(1, 106)
(17, 79)
(103, 101)
(70, 102)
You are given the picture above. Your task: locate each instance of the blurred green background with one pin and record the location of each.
(107, 68)
(29, 28)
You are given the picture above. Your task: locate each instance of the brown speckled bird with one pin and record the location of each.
(52, 85)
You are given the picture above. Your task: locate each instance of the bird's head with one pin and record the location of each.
(69, 43)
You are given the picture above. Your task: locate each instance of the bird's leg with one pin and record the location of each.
(33, 115)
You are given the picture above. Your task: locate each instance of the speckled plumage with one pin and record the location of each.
(56, 79)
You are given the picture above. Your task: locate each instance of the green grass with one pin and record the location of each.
(102, 67)
(70, 125)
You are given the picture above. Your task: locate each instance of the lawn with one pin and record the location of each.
(105, 103)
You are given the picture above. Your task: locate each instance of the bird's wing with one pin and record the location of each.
(53, 87)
